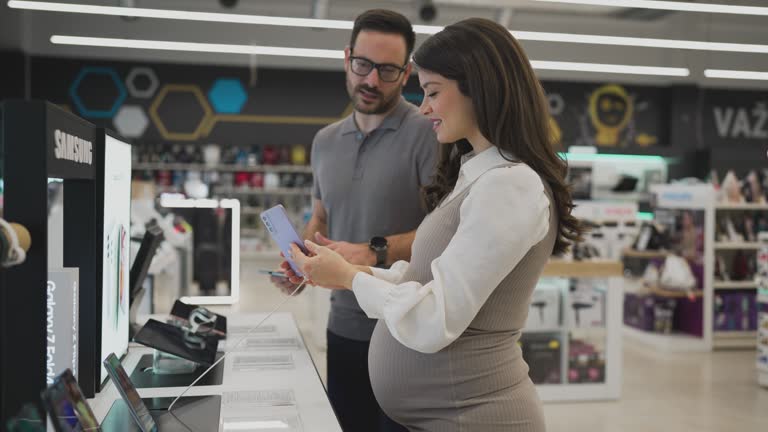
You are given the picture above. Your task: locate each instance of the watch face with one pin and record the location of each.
(378, 242)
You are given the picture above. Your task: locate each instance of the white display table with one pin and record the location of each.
(269, 380)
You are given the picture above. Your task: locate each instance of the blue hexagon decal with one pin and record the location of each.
(96, 71)
(227, 96)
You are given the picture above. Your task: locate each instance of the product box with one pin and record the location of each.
(544, 311)
(542, 352)
(735, 311)
(586, 364)
(586, 306)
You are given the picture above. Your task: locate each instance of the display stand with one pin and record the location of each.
(579, 345)
(762, 311)
(736, 295)
(38, 143)
(692, 208)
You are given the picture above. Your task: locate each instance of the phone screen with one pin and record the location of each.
(129, 394)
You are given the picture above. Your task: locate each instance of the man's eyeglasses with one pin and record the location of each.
(387, 72)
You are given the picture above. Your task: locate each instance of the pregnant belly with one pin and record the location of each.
(476, 368)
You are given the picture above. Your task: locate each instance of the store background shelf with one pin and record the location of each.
(737, 245)
(222, 167)
(734, 285)
(631, 253)
(225, 190)
(742, 206)
(583, 269)
(734, 339)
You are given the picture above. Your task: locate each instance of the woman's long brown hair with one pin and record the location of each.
(492, 69)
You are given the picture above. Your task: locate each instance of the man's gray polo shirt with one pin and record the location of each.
(370, 185)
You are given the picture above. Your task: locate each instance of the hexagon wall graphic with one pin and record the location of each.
(97, 92)
(131, 121)
(227, 96)
(142, 82)
(180, 112)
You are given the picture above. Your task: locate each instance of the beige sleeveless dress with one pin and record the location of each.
(479, 383)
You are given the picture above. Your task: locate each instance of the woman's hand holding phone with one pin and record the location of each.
(323, 267)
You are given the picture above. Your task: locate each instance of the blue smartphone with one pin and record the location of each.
(283, 233)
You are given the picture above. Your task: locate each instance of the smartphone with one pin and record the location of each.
(273, 273)
(283, 233)
(128, 392)
(67, 407)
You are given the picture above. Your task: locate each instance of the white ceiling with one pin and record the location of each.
(31, 32)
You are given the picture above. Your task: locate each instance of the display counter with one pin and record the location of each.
(572, 339)
(269, 381)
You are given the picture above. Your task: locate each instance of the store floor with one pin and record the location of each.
(702, 392)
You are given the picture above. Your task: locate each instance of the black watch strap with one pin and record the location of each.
(379, 245)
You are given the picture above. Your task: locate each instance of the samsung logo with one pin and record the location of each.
(72, 148)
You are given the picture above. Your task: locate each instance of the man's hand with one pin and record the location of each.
(354, 253)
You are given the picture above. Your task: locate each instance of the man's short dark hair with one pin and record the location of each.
(384, 21)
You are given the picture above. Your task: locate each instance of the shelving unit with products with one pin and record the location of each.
(257, 176)
(572, 339)
(668, 278)
(735, 287)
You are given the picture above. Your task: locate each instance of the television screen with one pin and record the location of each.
(116, 256)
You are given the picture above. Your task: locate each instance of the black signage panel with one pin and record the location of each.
(613, 117)
(69, 142)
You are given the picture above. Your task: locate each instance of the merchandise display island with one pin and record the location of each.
(572, 338)
(268, 383)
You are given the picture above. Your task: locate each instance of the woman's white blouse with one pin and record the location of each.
(505, 214)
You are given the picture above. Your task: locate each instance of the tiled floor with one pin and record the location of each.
(661, 392)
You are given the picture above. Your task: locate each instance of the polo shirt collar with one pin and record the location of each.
(391, 122)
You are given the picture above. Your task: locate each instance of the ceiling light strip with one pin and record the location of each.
(610, 68)
(347, 25)
(736, 74)
(179, 15)
(333, 54)
(196, 47)
(639, 42)
(671, 5)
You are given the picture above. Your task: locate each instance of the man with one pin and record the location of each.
(368, 171)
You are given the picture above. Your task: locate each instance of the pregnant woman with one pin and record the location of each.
(444, 354)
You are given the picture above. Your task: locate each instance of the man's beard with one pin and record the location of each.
(383, 105)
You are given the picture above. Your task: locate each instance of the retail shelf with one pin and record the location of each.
(583, 269)
(734, 339)
(631, 253)
(727, 334)
(274, 191)
(741, 206)
(222, 167)
(734, 285)
(675, 342)
(668, 293)
(737, 245)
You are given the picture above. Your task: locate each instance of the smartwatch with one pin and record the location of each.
(379, 246)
